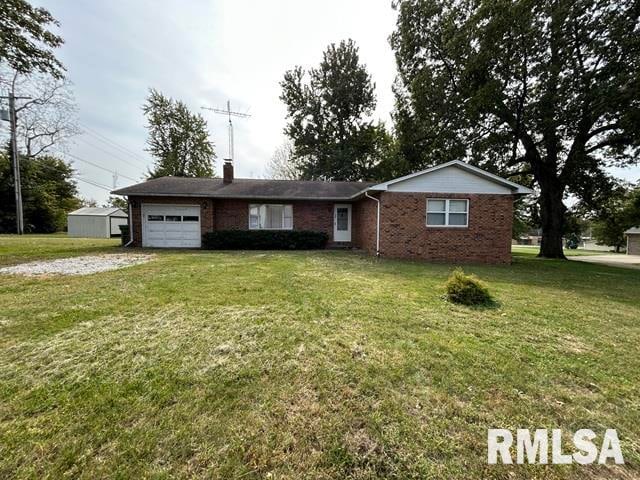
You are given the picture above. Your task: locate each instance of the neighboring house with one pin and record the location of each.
(96, 222)
(451, 212)
(633, 241)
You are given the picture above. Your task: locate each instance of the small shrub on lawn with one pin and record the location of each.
(264, 240)
(467, 289)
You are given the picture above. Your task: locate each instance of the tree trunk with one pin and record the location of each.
(552, 218)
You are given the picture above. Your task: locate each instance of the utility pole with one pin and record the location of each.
(230, 114)
(15, 159)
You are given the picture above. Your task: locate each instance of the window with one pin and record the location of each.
(173, 218)
(447, 213)
(270, 217)
(155, 218)
(190, 218)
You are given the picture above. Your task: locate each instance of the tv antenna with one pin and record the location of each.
(229, 113)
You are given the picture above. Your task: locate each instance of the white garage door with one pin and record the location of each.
(170, 226)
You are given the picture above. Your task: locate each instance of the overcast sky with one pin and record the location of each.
(205, 53)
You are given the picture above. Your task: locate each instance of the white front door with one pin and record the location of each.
(342, 223)
(171, 226)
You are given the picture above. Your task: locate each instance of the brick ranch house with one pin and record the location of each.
(453, 212)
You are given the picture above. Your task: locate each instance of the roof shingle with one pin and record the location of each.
(246, 188)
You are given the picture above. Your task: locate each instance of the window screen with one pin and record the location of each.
(447, 213)
(270, 217)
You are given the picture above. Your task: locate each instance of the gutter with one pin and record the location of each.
(130, 226)
(366, 194)
(244, 197)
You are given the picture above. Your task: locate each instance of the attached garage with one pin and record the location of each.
(174, 226)
(96, 222)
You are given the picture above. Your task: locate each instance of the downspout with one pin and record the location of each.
(366, 194)
(130, 225)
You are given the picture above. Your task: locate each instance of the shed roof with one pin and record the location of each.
(633, 231)
(246, 188)
(99, 212)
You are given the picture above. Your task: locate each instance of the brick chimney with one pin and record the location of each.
(227, 171)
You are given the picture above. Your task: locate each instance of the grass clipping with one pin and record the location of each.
(467, 289)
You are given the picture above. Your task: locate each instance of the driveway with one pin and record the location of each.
(613, 260)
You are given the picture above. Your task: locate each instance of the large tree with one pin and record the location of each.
(48, 191)
(329, 111)
(282, 165)
(26, 41)
(48, 118)
(620, 211)
(178, 138)
(543, 88)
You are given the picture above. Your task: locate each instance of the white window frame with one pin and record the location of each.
(446, 213)
(260, 220)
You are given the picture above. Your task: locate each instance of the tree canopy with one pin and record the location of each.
(329, 111)
(48, 194)
(620, 212)
(538, 90)
(178, 138)
(26, 41)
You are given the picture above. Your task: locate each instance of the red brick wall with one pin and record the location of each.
(364, 224)
(234, 214)
(231, 214)
(487, 239)
(307, 215)
(403, 233)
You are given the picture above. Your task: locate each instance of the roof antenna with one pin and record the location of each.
(229, 114)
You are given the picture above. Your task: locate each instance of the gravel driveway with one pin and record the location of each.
(84, 265)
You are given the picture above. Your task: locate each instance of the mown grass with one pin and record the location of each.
(309, 365)
(534, 250)
(15, 249)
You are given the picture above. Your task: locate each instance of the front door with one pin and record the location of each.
(342, 223)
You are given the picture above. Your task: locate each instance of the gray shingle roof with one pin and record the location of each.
(246, 188)
(633, 230)
(99, 212)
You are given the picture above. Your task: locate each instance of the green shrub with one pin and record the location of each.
(264, 240)
(467, 289)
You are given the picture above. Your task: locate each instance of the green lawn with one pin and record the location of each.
(14, 249)
(306, 365)
(534, 250)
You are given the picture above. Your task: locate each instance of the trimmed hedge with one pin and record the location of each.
(264, 240)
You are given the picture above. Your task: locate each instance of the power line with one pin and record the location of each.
(75, 175)
(113, 143)
(95, 184)
(75, 157)
(112, 154)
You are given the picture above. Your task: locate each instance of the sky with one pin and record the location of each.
(203, 53)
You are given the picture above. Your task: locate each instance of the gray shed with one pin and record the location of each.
(633, 241)
(96, 222)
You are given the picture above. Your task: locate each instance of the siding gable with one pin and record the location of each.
(449, 180)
